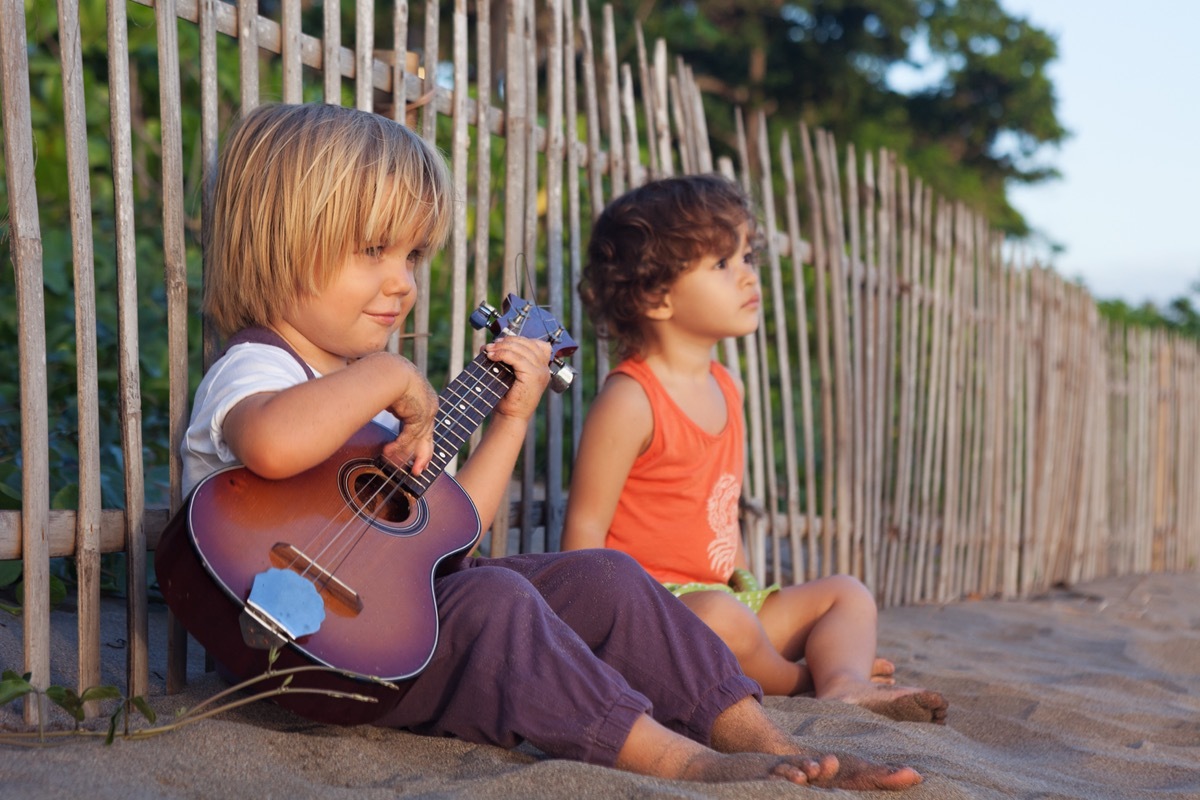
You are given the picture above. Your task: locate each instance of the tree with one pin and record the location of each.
(987, 106)
(1180, 315)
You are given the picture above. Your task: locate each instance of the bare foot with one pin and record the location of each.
(903, 703)
(835, 772)
(860, 774)
(651, 749)
(712, 767)
(882, 671)
(744, 728)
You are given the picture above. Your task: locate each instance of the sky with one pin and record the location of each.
(1127, 208)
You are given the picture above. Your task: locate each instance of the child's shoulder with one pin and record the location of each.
(249, 356)
(624, 386)
(262, 367)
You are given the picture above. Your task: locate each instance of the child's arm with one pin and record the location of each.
(617, 430)
(281, 434)
(486, 474)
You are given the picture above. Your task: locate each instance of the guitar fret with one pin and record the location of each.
(464, 404)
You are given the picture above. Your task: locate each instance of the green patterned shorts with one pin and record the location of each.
(742, 585)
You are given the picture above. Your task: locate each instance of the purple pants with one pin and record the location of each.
(566, 651)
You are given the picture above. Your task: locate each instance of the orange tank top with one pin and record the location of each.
(678, 511)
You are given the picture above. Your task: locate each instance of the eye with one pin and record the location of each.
(722, 264)
(374, 251)
(415, 256)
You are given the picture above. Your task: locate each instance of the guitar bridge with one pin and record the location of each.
(291, 557)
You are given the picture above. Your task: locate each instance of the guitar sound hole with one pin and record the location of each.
(381, 498)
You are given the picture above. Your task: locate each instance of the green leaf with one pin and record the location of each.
(13, 687)
(66, 699)
(141, 705)
(66, 497)
(58, 590)
(101, 693)
(10, 572)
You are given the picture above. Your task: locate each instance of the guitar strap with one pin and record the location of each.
(259, 334)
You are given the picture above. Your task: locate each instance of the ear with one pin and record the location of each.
(661, 311)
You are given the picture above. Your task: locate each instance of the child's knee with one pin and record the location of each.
(849, 589)
(477, 597)
(605, 568)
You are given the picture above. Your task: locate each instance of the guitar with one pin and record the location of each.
(335, 566)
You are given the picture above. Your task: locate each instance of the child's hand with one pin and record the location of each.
(417, 409)
(530, 359)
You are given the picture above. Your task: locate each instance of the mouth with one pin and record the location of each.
(385, 318)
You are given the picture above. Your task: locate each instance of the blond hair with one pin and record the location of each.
(300, 188)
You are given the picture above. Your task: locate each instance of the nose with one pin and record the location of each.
(749, 272)
(399, 279)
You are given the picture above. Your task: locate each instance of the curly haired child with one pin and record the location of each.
(670, 273)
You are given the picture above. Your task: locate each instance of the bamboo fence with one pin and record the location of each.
(925, 411)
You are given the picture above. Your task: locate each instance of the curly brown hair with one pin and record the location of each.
(648, 237)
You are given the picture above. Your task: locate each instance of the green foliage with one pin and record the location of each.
(12, 585)
(1179, 316)
(10, 575)
(58, 262)
(13, 687)
(987, 109)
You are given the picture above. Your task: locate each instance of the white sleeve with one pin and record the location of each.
(244, 370)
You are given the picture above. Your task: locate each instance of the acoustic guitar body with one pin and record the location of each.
(373, 565)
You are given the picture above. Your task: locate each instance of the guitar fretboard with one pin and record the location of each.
(462, 407)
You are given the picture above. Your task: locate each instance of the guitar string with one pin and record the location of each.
(476, 404)
(391, 484)
(395, 482)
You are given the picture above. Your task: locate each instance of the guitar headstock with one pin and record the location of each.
(519, 317)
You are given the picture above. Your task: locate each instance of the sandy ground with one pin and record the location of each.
(1090, 693)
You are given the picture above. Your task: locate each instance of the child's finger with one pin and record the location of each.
(525, 356)
(411, 448)
(530, 361)
(422, 455)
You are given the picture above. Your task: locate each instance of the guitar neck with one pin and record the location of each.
(462, 407)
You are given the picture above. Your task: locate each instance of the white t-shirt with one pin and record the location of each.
(245, 369)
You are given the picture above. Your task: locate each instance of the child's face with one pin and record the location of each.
(718, 297)
(368, 298)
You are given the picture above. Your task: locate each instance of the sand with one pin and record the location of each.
(1090, 693)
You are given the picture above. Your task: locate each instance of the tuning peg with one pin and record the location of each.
(483, 317)
(561, 376)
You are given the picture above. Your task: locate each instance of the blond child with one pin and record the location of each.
(670, 273)
(321, 214)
